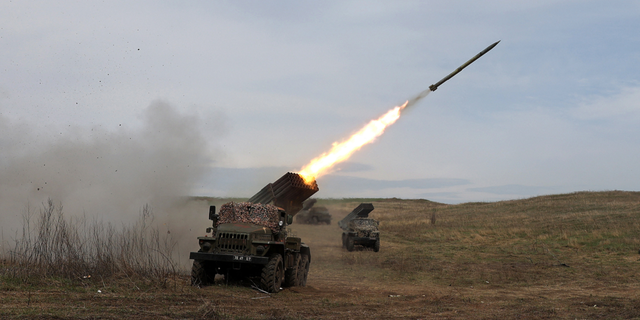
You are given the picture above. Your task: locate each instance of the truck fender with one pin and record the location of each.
(304, 249)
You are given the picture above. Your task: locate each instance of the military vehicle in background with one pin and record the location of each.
(359, 229)
(249, 240)
(311, 214)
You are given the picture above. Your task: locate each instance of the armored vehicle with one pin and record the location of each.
(311, 214)
(249, 240)
(359, 229)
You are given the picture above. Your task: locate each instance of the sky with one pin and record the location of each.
(127, 102)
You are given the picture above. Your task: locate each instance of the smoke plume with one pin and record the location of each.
(107, 174)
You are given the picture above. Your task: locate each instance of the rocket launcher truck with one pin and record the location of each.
(249, 240)
(312, 214)
(359, 229)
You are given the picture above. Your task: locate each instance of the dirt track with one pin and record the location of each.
(322, 299)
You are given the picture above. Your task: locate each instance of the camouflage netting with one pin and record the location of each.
(364, 228)
(363, 225)
(261, 214)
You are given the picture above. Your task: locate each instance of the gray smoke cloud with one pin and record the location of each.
(107, 174)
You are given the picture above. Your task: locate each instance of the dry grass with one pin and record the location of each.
(561, 256)
(54, 246)
(511, 243)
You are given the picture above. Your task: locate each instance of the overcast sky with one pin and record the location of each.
(553, 108)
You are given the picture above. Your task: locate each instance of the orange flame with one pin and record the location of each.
(343, 150)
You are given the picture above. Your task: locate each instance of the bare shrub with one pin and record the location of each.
(53, 246)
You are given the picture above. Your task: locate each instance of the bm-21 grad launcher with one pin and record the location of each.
(312, 214)
(248, 240)
(359, 229)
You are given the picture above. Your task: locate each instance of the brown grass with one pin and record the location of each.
(54, 246)
(560, 256)
(517, 242)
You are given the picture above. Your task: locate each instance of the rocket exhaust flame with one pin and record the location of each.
(343, 150)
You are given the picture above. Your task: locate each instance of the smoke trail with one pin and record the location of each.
(417, 98)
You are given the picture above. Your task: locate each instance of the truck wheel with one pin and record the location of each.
(376, 246)
(272, 274)
(291, 275)
(199, 274)
(303, 272)
(344, 240)
(314, 220)
(350, 243)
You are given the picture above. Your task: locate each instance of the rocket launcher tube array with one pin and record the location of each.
(362, 210)
(288, 192)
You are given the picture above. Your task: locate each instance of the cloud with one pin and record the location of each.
(337, 184)
(293, 78)
(245, 182)
(621, 106)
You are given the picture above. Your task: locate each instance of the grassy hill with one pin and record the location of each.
(541, 240)
(558, 256)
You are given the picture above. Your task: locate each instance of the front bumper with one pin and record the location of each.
(364, 241)
(228, 257)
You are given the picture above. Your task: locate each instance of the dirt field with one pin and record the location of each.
(566, 256)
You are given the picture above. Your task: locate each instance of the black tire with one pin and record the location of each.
(303, 271)
(314, 220)
(291, 275)
(376, 246)
(344, 240)
(272, 274)
(349, 243)
(199, 274)
(300, 269)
